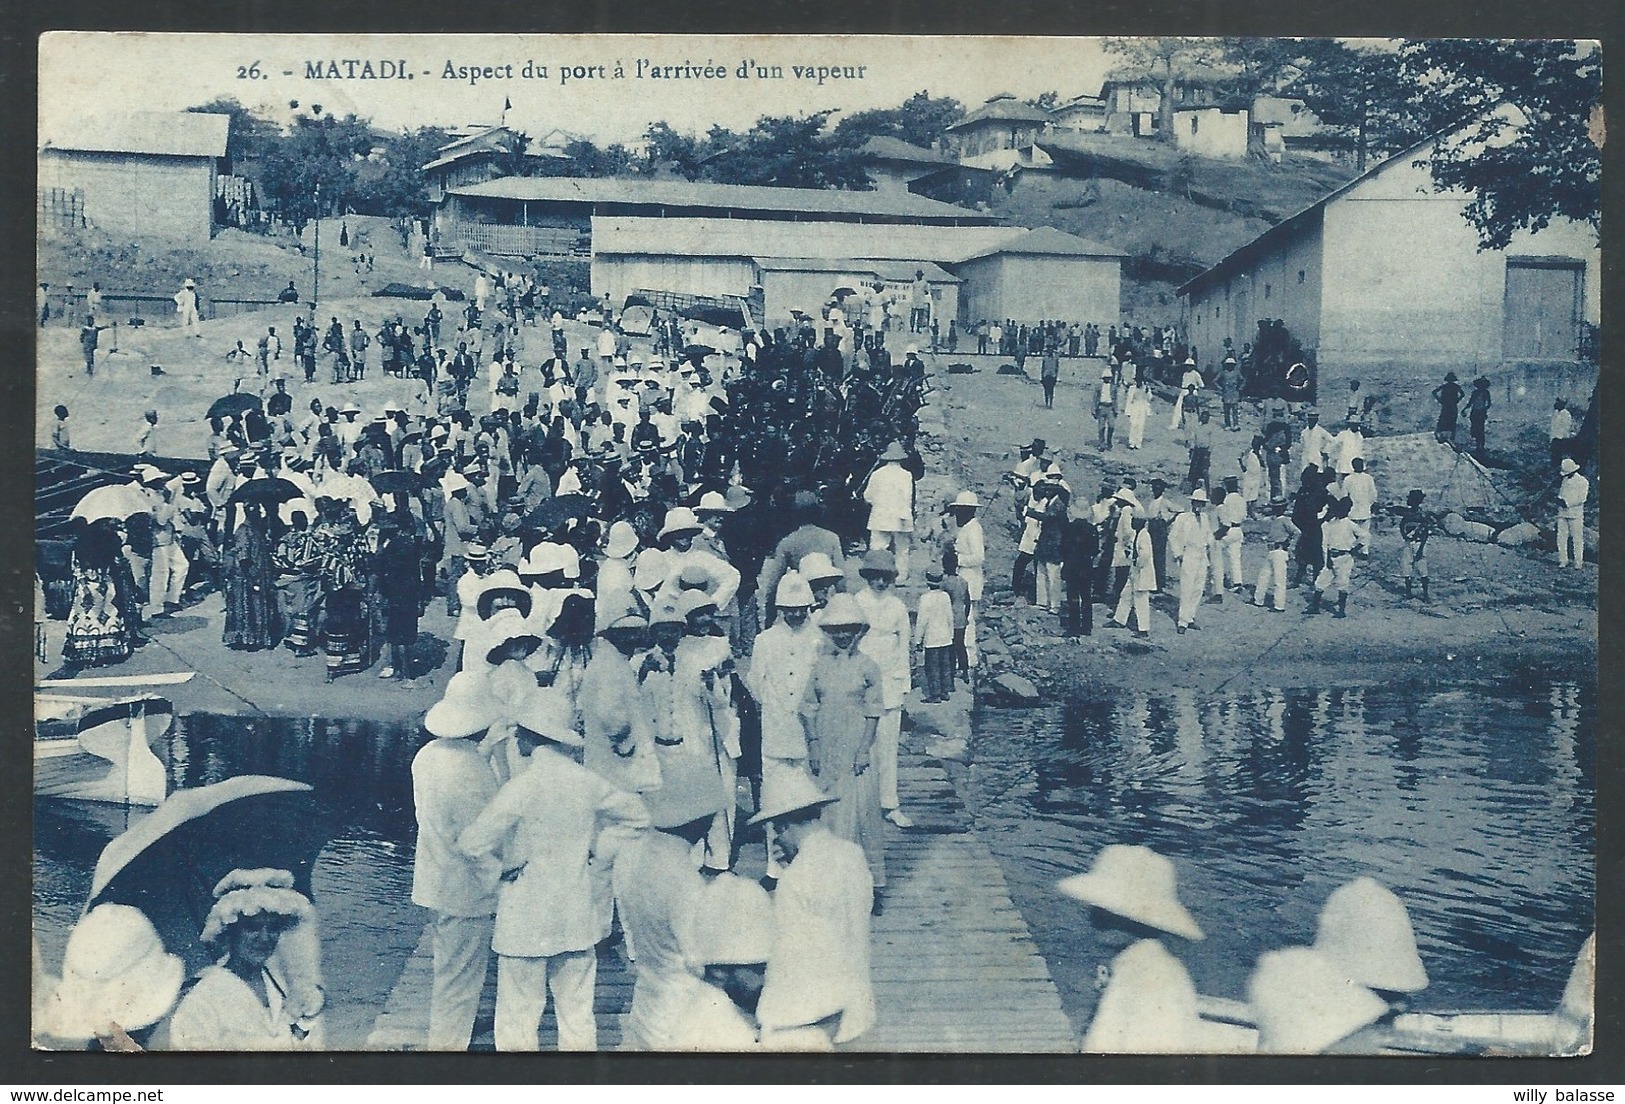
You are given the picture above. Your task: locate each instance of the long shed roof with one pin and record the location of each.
(614, 191)
(1046, 241)
(154, 133)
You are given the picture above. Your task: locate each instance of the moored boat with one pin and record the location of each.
(100, 749)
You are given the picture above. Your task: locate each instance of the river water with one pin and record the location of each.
(1475, 805)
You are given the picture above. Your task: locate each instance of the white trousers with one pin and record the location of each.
(1571, 542)
(1273, 572)
(1227, 563)
(1141, 602)
(462, 958)
(888, 730)
(169, 569)
(1049, 585)
(522, 988)
(897, 543)
(719, 840)
(1192, 579)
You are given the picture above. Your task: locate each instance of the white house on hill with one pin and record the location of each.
(1386, 273)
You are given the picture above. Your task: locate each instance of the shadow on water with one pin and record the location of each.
(360, 771)
(1475, 805)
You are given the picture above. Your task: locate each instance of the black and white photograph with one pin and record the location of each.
(816, 544)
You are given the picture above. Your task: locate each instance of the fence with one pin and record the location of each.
(62, 207)
(69, 308)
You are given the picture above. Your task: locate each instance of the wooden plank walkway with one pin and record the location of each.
(954, 966)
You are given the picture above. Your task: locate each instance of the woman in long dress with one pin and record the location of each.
(298, 585)
(252, 620)
(840, 712)
(342, 553)
(399, 589)
(98, 630)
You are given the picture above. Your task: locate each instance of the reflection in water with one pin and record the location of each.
(1474, 805)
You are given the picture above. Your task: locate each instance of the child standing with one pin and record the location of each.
(934, 631)
(959, 598)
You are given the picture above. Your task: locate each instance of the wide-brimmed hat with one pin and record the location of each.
(258, 892)
(476, 553)
(786, 792)
(730, 923)
(878, 561)
(546, 558)
(1303, 1004)
(737, 496)
(689, 790)
(505, 627)
(712, 502)
(666, 613)
(894, 451)
(452, 482)
(115, 973)
(793, 591)
(818, 567)
(1365, 931)
(1199, 495)
(350, 408)
(679, 519)
(1135, 883)
(1126, 497)
(649, 570)
(1038, 445)
(189, 282)
(505, 585)
(690, 602)
(1567, 466)
(842, 612)
(966, 500)
(622, 541)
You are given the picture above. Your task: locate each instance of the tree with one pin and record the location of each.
(786, 152)
(1164, 59)
(1047, 101)
(318, 150)
(1520, 112)
(394, 184)
(667, 147)
(587, 159)
(919, 120)
(1262, 65)
(1358, 93)
(249, 137)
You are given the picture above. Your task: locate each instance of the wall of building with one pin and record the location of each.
(1028, 288)
(784, 290)
(1210, 132)
(769, 238)
(618, 275)
(1285, 283)
(170, 197)
(1406, 283)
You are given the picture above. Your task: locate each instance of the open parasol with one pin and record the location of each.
(271, 491)
(168, 864)
(119, 501)
(397, 481)
(557, 510)
(235, 404)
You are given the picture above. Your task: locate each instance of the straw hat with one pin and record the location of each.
(502, 584)
(689, 790)
(1365, 931)
(1303, 1004)
(476, 553)
(115, 972)
(731, 923)
(679, 519)
(256, 892)
(1137, 884)
(817, 567)
(793, 592)
(622, 541)
(843, 612)
(966, 500)
(712, 502)
(789, 792)
(878, 561)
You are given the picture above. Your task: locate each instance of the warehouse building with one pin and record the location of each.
(144, 174)
(1386, 273)
(1041, 273)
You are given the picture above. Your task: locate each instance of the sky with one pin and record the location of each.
(91, 73)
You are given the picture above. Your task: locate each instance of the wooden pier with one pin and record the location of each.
(954, 966)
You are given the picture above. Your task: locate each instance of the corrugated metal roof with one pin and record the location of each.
(886, 148)
(1004, 108)
(1046, 241)
(728, 237)
(739, 197)
(155, 133)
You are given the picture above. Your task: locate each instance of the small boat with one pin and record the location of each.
(1501, 1034)
(100, 749)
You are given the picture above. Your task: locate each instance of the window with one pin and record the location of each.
(1266, 291)
(1195, 120)
(1300, 275)
(1215, 310)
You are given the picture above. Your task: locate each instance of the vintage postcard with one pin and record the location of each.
(816, 544)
